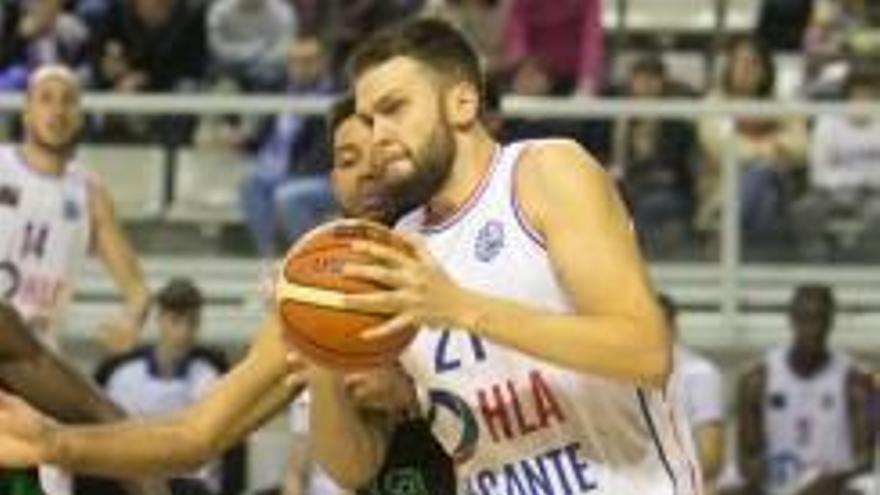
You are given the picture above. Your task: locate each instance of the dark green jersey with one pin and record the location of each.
(20, 483)
(415, 465)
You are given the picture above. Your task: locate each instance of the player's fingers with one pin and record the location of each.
(383, 276)
(418, 244)
(381, 253)
(399, 323)
(380, 302)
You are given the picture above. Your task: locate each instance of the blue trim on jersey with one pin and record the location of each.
(643, 404)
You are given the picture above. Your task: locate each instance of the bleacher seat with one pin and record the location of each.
(134, 175)
(206, 185)
(670, 15)
(742, 15)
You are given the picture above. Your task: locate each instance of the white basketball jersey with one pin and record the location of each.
(44, 236)
(518, 425)
(806, 420)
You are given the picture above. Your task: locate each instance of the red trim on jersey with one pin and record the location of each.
(519, 213)
(472, 199)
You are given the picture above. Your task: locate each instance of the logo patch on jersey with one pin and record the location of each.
(490, 241)
(72, 211)
(777, 400)
(9, 195)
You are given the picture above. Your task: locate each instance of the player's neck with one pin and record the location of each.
(167, 358)
(43, 160)
(472, 162)
(805, 364)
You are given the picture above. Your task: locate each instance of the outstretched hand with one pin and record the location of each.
(24, 433)
(419, 291)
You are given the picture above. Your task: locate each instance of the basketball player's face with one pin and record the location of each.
(53, 115)
(356, 182)
(401, 102)
(811, 320)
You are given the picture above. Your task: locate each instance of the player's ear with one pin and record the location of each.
(462, 104)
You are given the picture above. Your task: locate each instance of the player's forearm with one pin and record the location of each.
(630, 348)
(128, 449)
(344, 442)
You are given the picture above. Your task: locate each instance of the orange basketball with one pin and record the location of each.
(308, 290)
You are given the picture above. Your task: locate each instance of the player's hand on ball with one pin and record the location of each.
(24, 433)
(419, 290)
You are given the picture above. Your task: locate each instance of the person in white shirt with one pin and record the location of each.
(844, 170)
(698, 383)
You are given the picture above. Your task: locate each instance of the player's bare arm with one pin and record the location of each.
(347, 441)
(617, 332)
(118, 255)
(750, 427)
(237, 405)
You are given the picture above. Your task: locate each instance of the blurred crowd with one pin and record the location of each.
(808, 187)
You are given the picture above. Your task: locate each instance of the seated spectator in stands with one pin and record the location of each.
(782, 23)
(768, 150)
(803, 410)
(159, 379)
(350, 22)
(654, 160)
(565, 34)
(698, 386)
(40, 32)
(838, 30)
(147, 46)
(287, 184)
(482, 21)
(844, 171)
(248, 40)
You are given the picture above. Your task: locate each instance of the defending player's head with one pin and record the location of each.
(417, 86)
(812, 315)
(53, 112)
(358, 187)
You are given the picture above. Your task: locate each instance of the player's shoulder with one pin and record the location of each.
(554, 150)
(555, 163)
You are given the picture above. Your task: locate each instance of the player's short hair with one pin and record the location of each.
(340, 110)
(431, 42)
(821, 292)
(52, 71)
(180, 295)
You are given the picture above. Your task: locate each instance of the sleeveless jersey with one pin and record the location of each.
(519, 425)
(806, 420)
(44, 237)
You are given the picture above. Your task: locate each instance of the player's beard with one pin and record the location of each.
(432, 164)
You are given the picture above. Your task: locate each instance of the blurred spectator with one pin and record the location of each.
(782, 23)
(565, 35)
(803, 411)
(482, 21)
(168, 376)
(40, 32)
(654, 159)
(248, 40)
(839, 30)
(149, 45)
(288, 183)
(844, 171)
(353, 20)
(698, 387)
(768, 150)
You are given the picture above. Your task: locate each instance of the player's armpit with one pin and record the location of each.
(618, 330)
